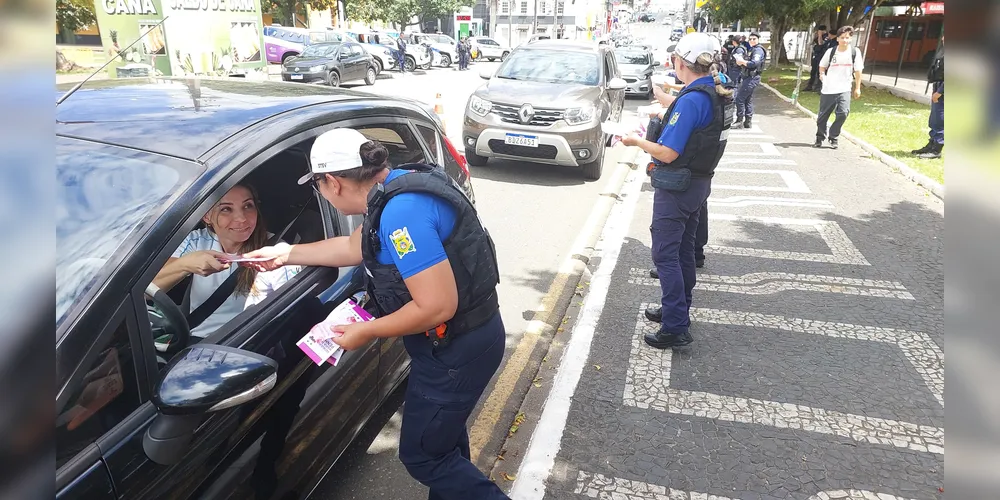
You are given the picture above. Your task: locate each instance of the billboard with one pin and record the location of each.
(199, 37)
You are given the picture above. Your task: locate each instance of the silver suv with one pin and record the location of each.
(545, 104)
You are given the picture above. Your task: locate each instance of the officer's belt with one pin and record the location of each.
(468, 320)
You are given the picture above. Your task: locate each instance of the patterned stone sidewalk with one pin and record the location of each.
(817, 370)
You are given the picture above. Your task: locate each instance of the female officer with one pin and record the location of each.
(432, 272)
(684, 158)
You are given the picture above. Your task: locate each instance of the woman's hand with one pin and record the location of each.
(277, 256)
(351, 336)
(205, 262)
(631, 140)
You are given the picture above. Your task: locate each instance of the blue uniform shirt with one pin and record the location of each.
(691, 112)
(413, 229)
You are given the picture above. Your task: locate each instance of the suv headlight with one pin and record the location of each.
(582, 114)
(480, 106)
(313, 69)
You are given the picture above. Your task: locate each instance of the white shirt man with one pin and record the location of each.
(838, 68)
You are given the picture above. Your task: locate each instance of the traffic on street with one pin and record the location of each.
(368, 263)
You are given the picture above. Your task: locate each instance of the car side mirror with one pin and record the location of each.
(656, 63)
(202, 379)
(486, 73)
(617, 84)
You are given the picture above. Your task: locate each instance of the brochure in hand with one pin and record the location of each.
(317, 344)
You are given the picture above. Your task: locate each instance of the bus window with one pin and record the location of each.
(934, 29)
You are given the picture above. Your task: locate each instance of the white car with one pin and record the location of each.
(490, 49)
(440, 42)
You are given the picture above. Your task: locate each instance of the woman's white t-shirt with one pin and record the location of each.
(202, 287)
(840, 72)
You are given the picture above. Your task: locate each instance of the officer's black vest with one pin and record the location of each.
(469, 248)
(705, 147)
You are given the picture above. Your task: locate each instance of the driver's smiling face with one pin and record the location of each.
(234, 218)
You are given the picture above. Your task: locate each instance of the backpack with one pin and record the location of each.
(829, 60)
(936, 72)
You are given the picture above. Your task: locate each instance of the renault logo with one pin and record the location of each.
(526, 113)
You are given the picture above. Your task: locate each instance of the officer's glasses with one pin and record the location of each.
(314, 182)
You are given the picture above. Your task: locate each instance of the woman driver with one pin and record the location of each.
(232, 227)
(432, 273)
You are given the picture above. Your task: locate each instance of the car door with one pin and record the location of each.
(284, 438)
(359, 61)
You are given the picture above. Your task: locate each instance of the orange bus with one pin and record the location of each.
(886, 38)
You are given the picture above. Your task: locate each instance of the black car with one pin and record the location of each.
(242, 413)
(332, 63)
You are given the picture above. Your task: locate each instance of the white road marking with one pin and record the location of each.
(767, 283)
(547, 437)
(793, 182)
(647, 383)
(773, 201)
(593, 485)
(842, 250)
(766, 149)
(765, 161)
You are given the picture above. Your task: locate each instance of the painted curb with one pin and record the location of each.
(582, 255)
(922, 180)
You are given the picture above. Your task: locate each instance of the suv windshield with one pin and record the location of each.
(552, 66)
(104, 194)
(632, 57)
(322, 50)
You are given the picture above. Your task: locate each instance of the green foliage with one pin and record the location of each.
(72, 15)
(282, 10)
(401, 12)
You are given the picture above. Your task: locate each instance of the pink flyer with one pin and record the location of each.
(317, 344)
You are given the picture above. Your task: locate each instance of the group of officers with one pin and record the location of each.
(431, 266)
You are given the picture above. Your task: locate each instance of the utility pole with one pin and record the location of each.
(534, 20)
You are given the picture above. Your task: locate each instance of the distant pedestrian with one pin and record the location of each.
(401, 53)
(818, 49)
(935, 75)
(752, 67)
(735, 70)
(836, 70)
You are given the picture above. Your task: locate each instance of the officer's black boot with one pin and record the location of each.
(664, 340)
(746, 124)
(653, 274)
(654, 314)
(934, 152)
(927, 148)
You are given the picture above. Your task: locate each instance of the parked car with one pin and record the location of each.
(636, 64)
(444, 44)
(242, 413)
(385, 57)
(491, 49)
(331, 63)
(545, 104)
(280, 42)
(417, 56)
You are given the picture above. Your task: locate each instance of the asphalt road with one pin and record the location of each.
(534, 213)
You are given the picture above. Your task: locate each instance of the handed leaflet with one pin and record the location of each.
(317, 344)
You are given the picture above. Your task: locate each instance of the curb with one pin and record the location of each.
(581, 256)
(922, 180)
(900, 93)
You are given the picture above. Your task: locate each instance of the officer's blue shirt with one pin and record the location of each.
(412, 230)
(691, 112)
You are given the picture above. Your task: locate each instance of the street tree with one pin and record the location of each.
(72, 15)
(402, 12)
(284, 11)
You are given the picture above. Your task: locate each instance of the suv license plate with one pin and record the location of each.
(296, 77)
(530, 141)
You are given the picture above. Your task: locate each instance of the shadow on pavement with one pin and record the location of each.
(532, 173)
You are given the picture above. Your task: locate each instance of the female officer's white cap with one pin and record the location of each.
(692, 45)
(335, 151)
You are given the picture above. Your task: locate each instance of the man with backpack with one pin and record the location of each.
(752, 66)
(837, 69)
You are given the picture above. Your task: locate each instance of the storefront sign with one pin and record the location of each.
(932, 8)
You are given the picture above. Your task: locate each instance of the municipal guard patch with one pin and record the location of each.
(402, 242)
(674, 117)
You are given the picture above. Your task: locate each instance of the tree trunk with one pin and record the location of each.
(777, 40)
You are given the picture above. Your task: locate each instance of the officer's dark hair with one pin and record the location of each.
(374, 159)
(754, 35)
(706, 64)
(845, 29)
(821, 27)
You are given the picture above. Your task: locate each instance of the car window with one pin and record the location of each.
(357, 50)
(430, 138)
(552, 66)
(104, 195)
(320, 50)
(107, 394)
(398, 139)
(608, 70)
(632, 57)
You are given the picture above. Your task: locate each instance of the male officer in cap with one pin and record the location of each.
(684, 160)
(752, 67)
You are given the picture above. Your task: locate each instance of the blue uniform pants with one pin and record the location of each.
(936, 121)
(673, 231)
(701, 236)
(401, 62)
(744, 97)
(443, 389)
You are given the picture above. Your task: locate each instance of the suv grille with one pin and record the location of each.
(543, 117)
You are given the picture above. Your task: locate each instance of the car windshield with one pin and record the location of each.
(104, 194)
(324, 50)
(632, 57)
(555, 66)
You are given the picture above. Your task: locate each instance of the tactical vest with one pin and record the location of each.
(705, 147)
(469, 248)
